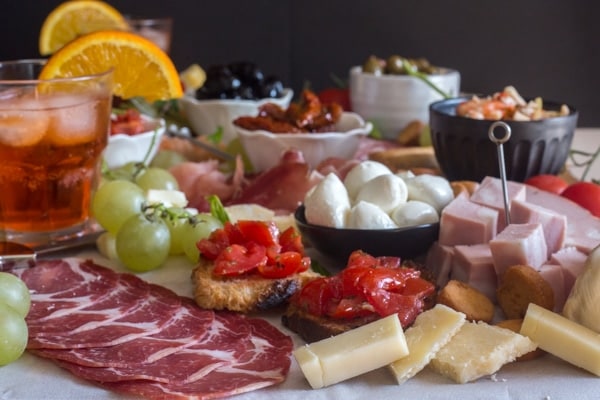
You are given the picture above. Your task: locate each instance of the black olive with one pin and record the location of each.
(247, 72)
(203, 93)
(374, 65)
(272, 87)
(247, 93)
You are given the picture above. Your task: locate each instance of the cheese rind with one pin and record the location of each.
(431, 331)
(563, 338)
(352, 353)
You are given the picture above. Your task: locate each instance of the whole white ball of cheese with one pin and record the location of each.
(413, 213)
(362, 173)
(366, 215)
(387, 191)
(327, 204)
(431, 189)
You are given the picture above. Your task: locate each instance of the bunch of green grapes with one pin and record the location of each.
(144, 234)
(14, 306)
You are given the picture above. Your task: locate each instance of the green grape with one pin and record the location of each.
(176, 221)
(14, 292)
(116, 201)
(13, 334)
(202, 227)
(166, 159)
(156, 178)
(126, 172)
(143, 243)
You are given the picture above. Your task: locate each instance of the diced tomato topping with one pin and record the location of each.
(254, 247)
(237, 260)
(128, 122)
(367, 286)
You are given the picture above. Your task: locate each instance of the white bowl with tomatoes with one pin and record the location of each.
(134, 137)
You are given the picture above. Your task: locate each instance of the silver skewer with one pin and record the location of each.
(501, 164)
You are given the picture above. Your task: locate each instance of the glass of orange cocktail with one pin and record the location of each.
(52, 135)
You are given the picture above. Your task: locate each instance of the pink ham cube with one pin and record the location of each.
(464, 222)
(474, 265)
(439, 262)
(490, 194)
(519, 244)
(553, 223)
(572, 262)
(553, 274)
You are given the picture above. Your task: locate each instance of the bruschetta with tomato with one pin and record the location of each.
(250, 266)
(368, 288)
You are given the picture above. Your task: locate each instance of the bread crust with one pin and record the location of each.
(246, 293)
(519, 286)
(406, 158)
(464, 298)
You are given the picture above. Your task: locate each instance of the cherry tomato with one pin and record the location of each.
(351, 307)
(261, 232)
(214, 245)
(586, 194)
(129, 122)
(340, 96)
(237, 260)
(549, 183)
(318, 296)
(290, 240)
(285, 264)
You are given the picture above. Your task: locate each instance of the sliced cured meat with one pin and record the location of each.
(227, 340)
(263, 364)
(188, 326)
(128, 294)
(66, 285)
(156, 310)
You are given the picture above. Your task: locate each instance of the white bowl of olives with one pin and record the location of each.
(382, 92)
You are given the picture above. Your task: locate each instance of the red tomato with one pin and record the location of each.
(549, 183)
(290, 240)
(318, 295)
(351, 307)
(215, 244)
(336, 95)
(285, 264)
(261, 232)
(237, 260)
(129, 122)
(586, 194)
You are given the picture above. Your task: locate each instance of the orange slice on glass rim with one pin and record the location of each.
(140, 67)
(75, 18)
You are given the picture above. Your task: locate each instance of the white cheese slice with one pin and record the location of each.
(563, 338)
(430, 332)
(352, 353)
(170, 198)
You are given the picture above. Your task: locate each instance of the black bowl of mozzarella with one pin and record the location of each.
(336, 244)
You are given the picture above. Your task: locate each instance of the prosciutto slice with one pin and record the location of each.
(138, 338)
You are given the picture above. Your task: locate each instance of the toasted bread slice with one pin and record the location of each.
(521, 285)
(245, 293)
(468, 300)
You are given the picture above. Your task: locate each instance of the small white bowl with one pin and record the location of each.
(393, 101)
(123, 148)
(205, 116)
(264, 149)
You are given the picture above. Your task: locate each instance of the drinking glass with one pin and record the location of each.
(158, 30)
(52, 135)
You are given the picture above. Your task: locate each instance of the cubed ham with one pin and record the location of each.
(464, 223)
(583, 229)
(553, 223)
(572, 262)
(439, 262)
(490, 194)
(519, 244)
(553, 274)
(474, 265)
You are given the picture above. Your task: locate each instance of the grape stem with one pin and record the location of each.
(590, 158)
(413, 71)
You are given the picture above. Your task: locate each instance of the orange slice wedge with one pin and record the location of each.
(141, 68)
(75, 18)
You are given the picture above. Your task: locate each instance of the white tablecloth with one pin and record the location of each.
(547, 378)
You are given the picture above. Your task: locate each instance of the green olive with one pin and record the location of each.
(394, 65)
(374, 65)
(423, 65)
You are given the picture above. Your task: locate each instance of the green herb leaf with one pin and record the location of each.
(216, 209)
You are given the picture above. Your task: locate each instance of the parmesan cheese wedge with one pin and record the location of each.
(477, 350)
(431, 331)
(563, 338)
(352, 353)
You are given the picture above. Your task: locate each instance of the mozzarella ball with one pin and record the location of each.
(328, 203)
(413, 213)
(406, 174)
(366, 215)
(362, 173)
(386, 191)
(431, 189)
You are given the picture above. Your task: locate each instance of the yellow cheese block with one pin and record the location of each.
(430, 332)
(352, 353)
(562, 337)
